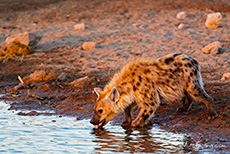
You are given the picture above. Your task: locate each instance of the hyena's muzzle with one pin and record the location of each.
(96, 121)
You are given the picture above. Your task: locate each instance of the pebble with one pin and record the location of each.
(62, 77)
(134, 25)
(213, 20)
(88, 45)
(80, 26)
(181, 26)
(212, 48)
(181, 15)
(81, 82)
(225, 76)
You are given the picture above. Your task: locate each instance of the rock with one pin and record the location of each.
(50, 77)
(181, 15)
(213, 20)
(62, 77)
(45, 87)
(88, 45)
(2, 47)
(225, 76)
(134, 25)
(23, 38)
(212, 48)
(80, 26)
(81, 82)
(181, 26)
(31, 113)
(28, 39)
(39, 76)
(34, 38)
(35, 84)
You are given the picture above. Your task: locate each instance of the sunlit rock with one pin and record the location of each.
(81, 82)
(181, 26)
(88, 45)
(225, 76)
(212, 48)
(213, 20)
(28, 39)
(80, 26)
(181, 15)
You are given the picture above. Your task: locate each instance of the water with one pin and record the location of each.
(54, 134)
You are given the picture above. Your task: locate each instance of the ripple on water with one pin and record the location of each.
(54, 134)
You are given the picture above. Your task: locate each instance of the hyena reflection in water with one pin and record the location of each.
(143, 82)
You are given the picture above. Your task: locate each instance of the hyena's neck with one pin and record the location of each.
(126, 97)
(125, 101)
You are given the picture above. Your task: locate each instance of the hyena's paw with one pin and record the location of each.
(126, 124)
(212, 115)
(137, 124)
(148, 123)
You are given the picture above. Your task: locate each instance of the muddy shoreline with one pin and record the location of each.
(123, 31)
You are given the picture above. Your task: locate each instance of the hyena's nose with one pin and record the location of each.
(92, 121)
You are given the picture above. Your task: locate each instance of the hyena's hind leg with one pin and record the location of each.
(196, 90)
(187, 102)
(202, 96)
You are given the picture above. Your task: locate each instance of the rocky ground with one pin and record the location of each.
(122, 31)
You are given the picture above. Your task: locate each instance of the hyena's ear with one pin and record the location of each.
(98, 91)
(114, 95)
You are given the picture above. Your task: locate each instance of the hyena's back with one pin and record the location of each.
(178, 73)
(169, 76)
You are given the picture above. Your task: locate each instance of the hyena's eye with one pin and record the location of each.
(100, 111)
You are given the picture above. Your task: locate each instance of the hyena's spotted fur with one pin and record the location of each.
(143, 82)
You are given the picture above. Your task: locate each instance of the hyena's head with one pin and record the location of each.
(106, 107)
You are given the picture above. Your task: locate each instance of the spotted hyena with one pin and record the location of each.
(144, 82)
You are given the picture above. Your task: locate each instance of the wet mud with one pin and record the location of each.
(123, 31)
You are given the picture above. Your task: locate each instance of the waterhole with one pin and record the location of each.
(55, 134)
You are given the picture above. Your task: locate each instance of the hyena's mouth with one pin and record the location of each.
(100, 124)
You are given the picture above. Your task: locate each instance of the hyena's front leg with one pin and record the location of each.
(143, 117)
(128, 118)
